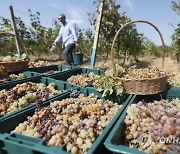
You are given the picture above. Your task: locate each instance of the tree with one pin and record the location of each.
(176, 35)
(151, 49)
(7, 42)
(85, 39)
(129, 42)
(41, 37)
(37, 38)
(176, 6)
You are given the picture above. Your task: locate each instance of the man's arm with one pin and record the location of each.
(58, 38)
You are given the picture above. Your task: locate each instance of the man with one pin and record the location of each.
(67, 35)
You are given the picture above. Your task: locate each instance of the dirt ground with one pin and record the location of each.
(169, 65)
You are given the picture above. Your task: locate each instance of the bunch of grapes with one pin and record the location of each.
(5, 59)
(13, 77)
(72, 123)
(143, 73)
(174, 79)
(16, 77)
(81, 79)
(75, 93)
(50, 72)
(38, 63)
(157, 122)
(24, 94)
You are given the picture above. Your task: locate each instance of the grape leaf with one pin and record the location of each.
(107, 91)
(120, 90)
(100, 89)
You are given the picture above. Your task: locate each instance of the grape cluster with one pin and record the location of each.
(75, 93)
(159, 122)
(24, 94)
(81, 79)
(143, 73)
(72, 123)
(38, 63)
(16, 77)
(50, 72)
(13, 77)
(174, 79)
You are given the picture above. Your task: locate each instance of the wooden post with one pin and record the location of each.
(98, 23)
(15, 30)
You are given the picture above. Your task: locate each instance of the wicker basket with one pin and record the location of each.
(15, 66)
(145, 86)
(12, 67)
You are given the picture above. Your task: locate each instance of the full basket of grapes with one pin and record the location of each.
(15, 63)
(141, 81)
(15, 66)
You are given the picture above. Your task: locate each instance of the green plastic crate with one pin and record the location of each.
(41, 70)
(19, 144)
(10, 142)
(27, 76)
(60, 85)
(115, 142)
(65, 75)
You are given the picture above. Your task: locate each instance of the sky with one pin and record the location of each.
(158, 12)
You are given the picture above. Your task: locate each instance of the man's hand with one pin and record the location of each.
(53, 47)
(55, 43)
(76, 45)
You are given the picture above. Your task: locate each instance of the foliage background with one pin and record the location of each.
(38, 39)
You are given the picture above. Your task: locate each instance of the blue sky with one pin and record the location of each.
(158, 12)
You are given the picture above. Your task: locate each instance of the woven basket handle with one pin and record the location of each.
(19, 39)
(147, 22)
